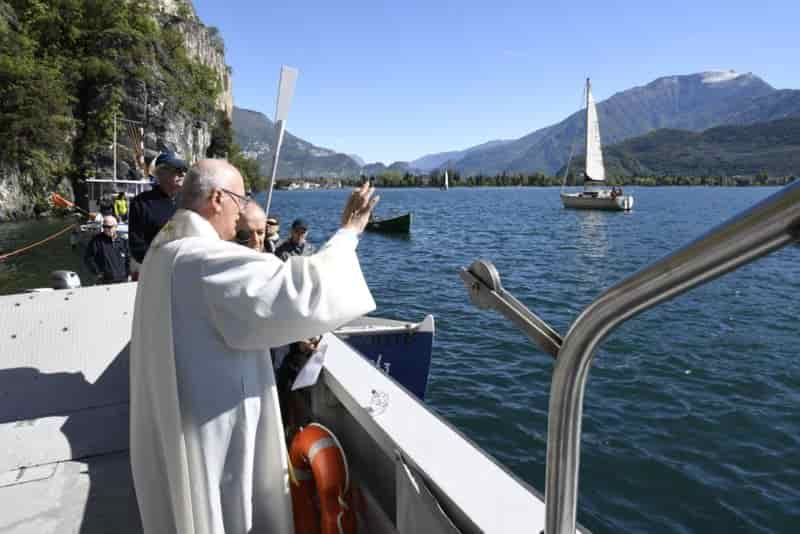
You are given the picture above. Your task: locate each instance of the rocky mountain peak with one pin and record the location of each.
(178, 8)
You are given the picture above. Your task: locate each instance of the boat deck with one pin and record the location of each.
(90, 496)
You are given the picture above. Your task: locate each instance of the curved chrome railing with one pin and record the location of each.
(760, 230)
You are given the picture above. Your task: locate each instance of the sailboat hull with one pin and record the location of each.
(597, 202)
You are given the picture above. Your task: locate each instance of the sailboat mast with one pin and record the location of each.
(586, 159)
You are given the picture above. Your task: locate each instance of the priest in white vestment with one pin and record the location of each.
(207, 447)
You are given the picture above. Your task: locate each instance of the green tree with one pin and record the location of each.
(221, 137)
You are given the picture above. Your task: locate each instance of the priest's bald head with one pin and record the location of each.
(252, 227)
(214, 189)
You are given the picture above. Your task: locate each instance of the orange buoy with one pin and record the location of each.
(320, 468)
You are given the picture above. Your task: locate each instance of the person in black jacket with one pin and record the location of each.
(151, 210)
(272, 238)
(107, 254)
(296, 245)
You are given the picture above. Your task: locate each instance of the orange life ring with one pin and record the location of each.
(316, 447)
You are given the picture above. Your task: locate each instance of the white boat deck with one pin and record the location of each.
(64, 427)
(89, 496)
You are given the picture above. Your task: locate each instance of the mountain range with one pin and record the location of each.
(771, 148)
(255, 133)
(692, 102)
(689, 103)
(444, 159)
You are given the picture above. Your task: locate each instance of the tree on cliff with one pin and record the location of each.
(67, 66)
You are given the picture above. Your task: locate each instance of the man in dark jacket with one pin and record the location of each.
(296, 245)
(272, 238)
(151, 210)
(107, 254)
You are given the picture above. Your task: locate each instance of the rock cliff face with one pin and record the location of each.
(203, 44)
(166, 129)
(150, 105)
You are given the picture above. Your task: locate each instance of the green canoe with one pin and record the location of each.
(396, 225)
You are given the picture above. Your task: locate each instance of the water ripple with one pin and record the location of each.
(691, 418)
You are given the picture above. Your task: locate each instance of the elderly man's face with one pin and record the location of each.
(233, 204)
(171, 180)
(257, 226)
(272, 227)
(110, 227)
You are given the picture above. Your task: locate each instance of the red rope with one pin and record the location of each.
(32, 245)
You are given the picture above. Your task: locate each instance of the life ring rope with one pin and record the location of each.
(341, 449)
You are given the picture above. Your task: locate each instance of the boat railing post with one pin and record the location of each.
(760, 230)
(485, 291)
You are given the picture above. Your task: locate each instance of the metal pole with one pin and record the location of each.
(279, 128)
(114, 146)
(764, 228)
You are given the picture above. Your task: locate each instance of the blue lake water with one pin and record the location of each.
(691, 416)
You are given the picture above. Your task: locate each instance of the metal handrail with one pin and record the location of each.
(758, 231)
(766, 227)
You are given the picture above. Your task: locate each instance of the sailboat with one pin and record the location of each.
(595, 195)
(445, 182)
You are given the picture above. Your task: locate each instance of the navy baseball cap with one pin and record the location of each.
(169, 159)
(300, 223)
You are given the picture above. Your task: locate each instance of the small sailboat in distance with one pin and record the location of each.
(445, 181)
(595, 194)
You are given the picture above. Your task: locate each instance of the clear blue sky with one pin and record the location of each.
(395, 80)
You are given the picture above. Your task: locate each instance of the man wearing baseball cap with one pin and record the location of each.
(296, 245)
(149, 211)
(273, 234)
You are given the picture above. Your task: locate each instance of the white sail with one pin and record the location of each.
(594, 151)
(446, 180)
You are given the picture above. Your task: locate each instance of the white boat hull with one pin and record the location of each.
(597, 202)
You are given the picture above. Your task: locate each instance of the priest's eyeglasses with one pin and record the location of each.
(241, 201)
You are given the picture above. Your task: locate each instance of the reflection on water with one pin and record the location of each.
(592, 250)
(593, 233)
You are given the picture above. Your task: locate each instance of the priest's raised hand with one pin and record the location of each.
(359, 207)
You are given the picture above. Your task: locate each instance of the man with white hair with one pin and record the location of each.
(207, 446)
(251, 230)
(107, 256)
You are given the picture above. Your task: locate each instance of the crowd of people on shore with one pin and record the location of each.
(112, 259)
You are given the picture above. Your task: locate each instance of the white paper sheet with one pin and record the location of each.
(309, 374)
